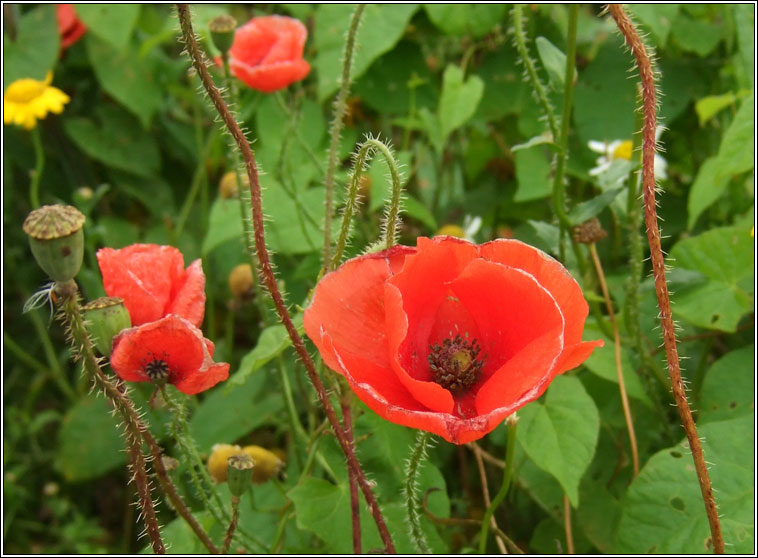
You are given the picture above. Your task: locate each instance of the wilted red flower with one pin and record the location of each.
(450, 337)
(153, 282)
(170, 350)
(267, 53)
(70, 27)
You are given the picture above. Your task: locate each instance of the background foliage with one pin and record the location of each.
(138, 152)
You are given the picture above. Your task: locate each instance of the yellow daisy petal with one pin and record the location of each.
(27, 100)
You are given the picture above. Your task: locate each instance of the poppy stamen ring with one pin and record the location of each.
(455, 364)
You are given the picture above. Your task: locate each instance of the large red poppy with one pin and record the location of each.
(170, 350)
(450, 337)
(267, 53)
(70, 26)
(153, 282)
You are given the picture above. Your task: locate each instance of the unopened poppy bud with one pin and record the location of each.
(222, 31)
(105, 318)
(57, 240)
(451, 230)
(217, 462)
(241, 280)
(267, 463)
(228, 186)
(238, 473)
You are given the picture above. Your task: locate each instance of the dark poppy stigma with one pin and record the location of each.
(456, 363)
(157, 370)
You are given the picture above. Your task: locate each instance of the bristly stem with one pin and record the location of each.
(335, 129)
(355, 511)
(232, 525)
(649, 100)
(617, 351)
(268, 273)
(412, 496)
(512, 423)
(531, 71)
(39, 166)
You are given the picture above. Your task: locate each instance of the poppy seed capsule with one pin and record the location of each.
(222, 31)
(239, 468)
(57, 240)
(105, 318)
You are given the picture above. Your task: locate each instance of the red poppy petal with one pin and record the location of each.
(271, 77)
(142, 275)
(171, 339)
(188, 296)
(550, 274)
(291, 36)
(69, 26)
(576, 354)
(204, 379)
(251, 42)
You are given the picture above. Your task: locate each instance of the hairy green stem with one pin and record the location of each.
(412, 496)
(39, 166)
(232, 525)
(512, 422)
(335, 129)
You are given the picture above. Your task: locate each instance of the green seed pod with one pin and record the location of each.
(238, 474)
(105, 318)
(57, 240)
(222, 32)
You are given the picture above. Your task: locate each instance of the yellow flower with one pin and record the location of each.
(28, 100)
(622, 150)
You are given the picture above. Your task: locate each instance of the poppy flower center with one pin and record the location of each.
(157, 370)
(455, 363)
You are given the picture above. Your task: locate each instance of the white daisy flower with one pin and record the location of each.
(621, 150)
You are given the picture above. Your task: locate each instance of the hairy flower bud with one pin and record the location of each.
(105, 318)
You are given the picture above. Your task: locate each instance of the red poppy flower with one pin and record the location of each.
(153, 282)
(170, 350)
(70, 27)
(450, 337)
(267, 53)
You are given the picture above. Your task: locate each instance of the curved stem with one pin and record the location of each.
(649, 97)
(567, 525)
(335, 129)
(512, 422)
(617, 351)
(268, 273)
(413, 499)
(39, 165)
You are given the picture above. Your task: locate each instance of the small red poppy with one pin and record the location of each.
(450, 337)
(267, 53)
(70, 26)
(170, 350)
(153, 282)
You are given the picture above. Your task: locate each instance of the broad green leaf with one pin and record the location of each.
(506, 89)
(271, 343)
(224, 224)
(417, 210)
(744, 60)
(657, 18)
(458, 101)
(738, 144)
(554, 61)
(230, 411)
(560, 435)
(729, 387)
(113, 23)
(132, 80)
(466, 19)
(590, 208)
(696, 36)
(382, 27)
(708, 107)
(705, 190)
(294, 225)
(115, 138)
(663, 511)
(36, 48)
(725, 257)
(533, 172)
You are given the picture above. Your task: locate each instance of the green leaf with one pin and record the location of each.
(382, 27)
(533, 172)
(744, 60)
(294, 225)
(663, 510)
(35, 50)
(705, 190)
(414, 208)
(542, 139)
(113, 137)
(554, 61)
(656, 18)
(131, 80)
(458, 101)
(737, 146)
(729, 386)
(224, 224)
(271, 343)
(725, 257)
(588, 209)
(466, 19)
(696, 36)
(113, 23)
(560, 435)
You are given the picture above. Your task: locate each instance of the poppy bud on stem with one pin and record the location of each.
(57, 240)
